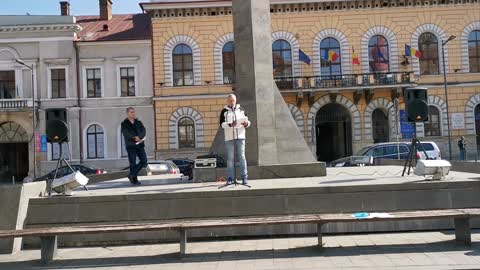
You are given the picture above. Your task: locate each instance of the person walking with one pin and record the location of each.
(234, 122)
(134, 134)
(462, 145)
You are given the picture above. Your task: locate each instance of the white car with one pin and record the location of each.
(432, 150)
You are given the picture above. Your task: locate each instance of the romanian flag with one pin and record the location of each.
(331, 56)
(409, 51)
(355, 59)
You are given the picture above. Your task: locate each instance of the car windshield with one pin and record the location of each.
(428, 146)
(362, 151)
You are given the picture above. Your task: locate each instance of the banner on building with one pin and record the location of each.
(43, 142)
(406, 128)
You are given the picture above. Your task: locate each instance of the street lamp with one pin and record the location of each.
(33, 117)
(446, 94)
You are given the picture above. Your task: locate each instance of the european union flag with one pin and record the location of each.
(303, 57)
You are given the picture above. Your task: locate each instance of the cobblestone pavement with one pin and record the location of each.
(412, 250)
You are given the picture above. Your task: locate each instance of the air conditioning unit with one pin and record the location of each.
(438, 169)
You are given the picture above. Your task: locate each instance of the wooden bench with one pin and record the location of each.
(48, 236)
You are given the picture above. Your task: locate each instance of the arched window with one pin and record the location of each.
(282, 59)
(186, 133)
(330, 57)
(378, 54)
(95, 142)
(432, 126)
(182, 65)
(228, 63)
(428, 45)
(474, 51)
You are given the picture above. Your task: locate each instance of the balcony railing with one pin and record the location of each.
(367, 80)
(15, 104)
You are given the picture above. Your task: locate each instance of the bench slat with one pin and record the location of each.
(407, 215)
(186, 224)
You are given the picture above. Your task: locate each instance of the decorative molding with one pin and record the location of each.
(441, 106)
(392, 47)
(173, 127)
(168, 58)
(57, 61)
(92, 59)
(344, 50)
(218, 56)
(387, 106)
(40, 28)
(342, 100)
(290, 38)
(464, 44)
(440, 34)
(126, 59)
(298, 117)
(10, 50)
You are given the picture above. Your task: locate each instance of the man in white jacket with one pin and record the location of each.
(234, 122)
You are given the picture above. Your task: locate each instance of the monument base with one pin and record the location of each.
(265, 172)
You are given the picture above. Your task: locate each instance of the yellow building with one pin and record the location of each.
(339, 105)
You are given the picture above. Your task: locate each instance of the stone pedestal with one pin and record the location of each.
(273, 138)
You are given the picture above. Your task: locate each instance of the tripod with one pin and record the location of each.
(414, 146)
(61, 160)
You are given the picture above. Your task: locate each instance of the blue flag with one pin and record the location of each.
(303, 57)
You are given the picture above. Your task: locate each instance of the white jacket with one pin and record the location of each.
(228, 116)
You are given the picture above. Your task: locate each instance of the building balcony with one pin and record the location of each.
(15, 104)
(346, 81)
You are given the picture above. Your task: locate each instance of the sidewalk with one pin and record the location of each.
(424, 250)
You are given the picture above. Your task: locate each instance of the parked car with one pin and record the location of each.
(185, 165)
(65, 170)
(432, 150)
(379, 150)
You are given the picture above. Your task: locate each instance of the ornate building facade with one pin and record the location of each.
(347, 96)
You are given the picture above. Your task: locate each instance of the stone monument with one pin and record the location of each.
(274, 142)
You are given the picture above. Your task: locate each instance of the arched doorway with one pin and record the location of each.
(333, 132)
(380, 126)
(13, 152)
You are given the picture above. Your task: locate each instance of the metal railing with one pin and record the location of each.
(17, 103)
(344, 80)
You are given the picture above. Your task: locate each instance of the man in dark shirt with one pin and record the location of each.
(134, 133)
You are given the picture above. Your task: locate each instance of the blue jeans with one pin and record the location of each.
(239, 144)
(132, 159)
(463, 154)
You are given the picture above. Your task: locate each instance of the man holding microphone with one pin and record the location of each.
(234, 123)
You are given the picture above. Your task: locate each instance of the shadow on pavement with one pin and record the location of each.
(301, 252)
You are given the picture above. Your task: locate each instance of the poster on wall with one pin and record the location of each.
(406, 128)
(458, 121)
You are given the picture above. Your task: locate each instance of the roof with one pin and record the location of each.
(11, 20)
(120, 28)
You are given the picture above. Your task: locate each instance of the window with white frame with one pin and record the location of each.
(7, 84)
(94, 82)
(55, 153)
(474, 51)
(127, 81)
(432, 126)
(58, 83)
(95, 142)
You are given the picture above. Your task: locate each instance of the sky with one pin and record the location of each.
(77, 7)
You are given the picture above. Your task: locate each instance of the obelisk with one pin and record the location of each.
(273, 138)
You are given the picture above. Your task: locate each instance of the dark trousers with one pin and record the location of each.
(132, 159)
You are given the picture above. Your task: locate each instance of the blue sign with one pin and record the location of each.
(406, 128)
(43, 143)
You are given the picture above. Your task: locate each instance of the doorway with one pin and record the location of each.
(14, 156)
(380, 127)
(333, 132)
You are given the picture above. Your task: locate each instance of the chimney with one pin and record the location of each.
(105, 9)
(65, 8)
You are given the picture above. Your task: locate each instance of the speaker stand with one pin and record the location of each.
(60, 163)
(414, 146)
